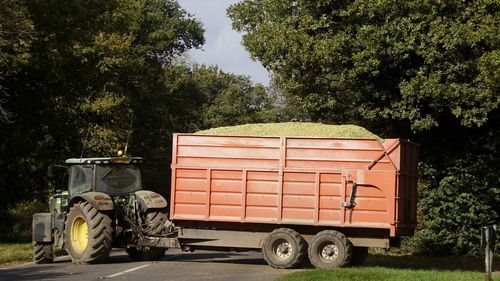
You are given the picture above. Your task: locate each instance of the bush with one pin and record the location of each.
(451, 215)
(16, 221)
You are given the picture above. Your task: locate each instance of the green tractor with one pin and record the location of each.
(104, 207)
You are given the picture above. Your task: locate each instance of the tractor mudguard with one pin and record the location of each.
(42, 227)
(100, 201)
(150, 200)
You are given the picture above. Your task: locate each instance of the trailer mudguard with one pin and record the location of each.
(150, 200)
(98, 200)
(42, 227)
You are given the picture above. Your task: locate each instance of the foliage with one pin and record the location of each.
(93, 69)
(16, 35)
(380, 60)
(93, 66)
(210, 98)
(16, 220)
(465, 197)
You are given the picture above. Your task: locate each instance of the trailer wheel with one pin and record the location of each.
(42, 252)
(88, 234)
(330, 249)
(284, 248)
(359, 255)
(154, 221)
(145, 253)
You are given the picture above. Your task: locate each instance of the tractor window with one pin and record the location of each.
(118, 179)
(80, 179)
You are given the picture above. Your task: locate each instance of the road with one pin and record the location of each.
(200, 265)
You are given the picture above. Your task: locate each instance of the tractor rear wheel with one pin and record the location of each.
(42, 252)
(145, 253)
(89, 234)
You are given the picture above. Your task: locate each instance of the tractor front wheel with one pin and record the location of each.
(88, 236)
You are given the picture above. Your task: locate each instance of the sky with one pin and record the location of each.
(222, 44)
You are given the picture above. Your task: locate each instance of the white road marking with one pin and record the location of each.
(127, 271)
(61, 258)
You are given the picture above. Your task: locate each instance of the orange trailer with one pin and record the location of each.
(325, 198)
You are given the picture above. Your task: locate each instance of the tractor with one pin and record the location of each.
(104, 207)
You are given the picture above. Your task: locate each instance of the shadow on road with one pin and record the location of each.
(217, 257)
(38, 272)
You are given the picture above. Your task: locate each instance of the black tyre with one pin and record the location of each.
(145, 253)
(88, 234)
(154, 221)
(284, 248)
(330, 249)
(42, 252)
(359, 255)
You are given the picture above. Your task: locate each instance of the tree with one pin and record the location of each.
(372, 60)
(93, 65)
(205, 97)
(232, 99)
(426, 70)
(16, 35)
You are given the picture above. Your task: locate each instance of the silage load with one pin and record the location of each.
(294, 129)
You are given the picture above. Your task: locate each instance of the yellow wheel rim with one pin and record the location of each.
(79, 234)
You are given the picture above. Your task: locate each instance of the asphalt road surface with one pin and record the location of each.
(199, 265)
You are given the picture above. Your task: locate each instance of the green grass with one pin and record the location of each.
(299, 129)
(382, 267)
(385, 274)
(15, 253)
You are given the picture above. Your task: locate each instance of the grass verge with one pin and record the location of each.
(13, 253)
(385, 274)
(399, 267)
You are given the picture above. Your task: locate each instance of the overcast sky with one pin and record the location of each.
(222, 44)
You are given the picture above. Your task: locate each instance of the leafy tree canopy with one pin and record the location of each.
(422, 61)
(16, 34)
(93, 66)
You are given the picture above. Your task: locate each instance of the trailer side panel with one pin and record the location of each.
(295, 181)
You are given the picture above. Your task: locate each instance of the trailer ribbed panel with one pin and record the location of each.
(307, 181)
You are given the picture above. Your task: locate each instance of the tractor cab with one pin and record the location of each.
(114, 176)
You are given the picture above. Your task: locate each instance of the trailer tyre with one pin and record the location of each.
(284, 248)
(359, 255)
(330, 249)
(89, 234)
(145, 253)
(42, 252)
